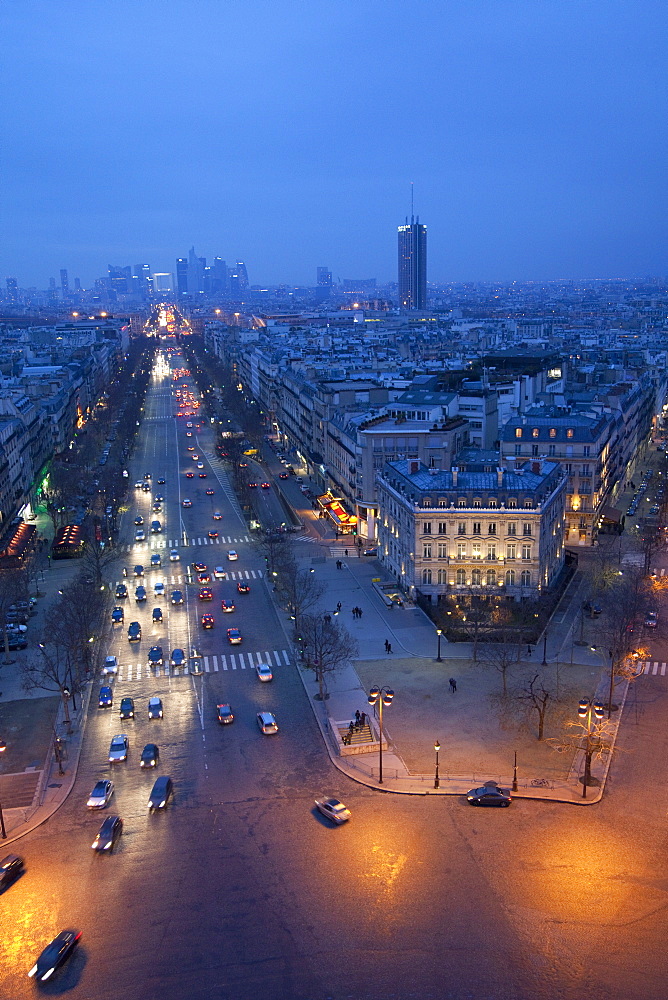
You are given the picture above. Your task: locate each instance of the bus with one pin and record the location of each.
(68, 543)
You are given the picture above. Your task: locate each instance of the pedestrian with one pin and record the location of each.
(338, 606)
(351, 729)
(345, 552)
(125, 571)
(357, 718)
(453, 685)
(389, 647)
(528, 649)
(386, 645)
(359, 612)
(362, 720)
(328, 618)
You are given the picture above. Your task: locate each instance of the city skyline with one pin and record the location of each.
(529, 132)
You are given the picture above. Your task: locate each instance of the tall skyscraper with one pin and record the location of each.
(64, 282)
(182, 275)
(413, 264)
(12, 289)
(195, 273)
(219, 284)
(323, 283)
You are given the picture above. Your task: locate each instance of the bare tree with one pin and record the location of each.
(326, 646)
(299, 590)
(536, 695)
(73, 623)
(594, 736)
(502, 656)
(50, 672)
(97, 556)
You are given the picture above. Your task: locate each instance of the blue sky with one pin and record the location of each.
(287, 134)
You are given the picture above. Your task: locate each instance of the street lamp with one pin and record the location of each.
(544, 663)
(585, 711)
(438, 651)
(437, 747)
(380, 696)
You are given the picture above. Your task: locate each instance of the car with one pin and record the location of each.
(157, 508)
(205, 594)
(213, 533)
(186, 503)
(204, 577)
(146, 487)
(200, 567)
(489, 794)
(651, 619)
(333, 809)
(284, 475)
(178, 658)
(232, 555)
(105, 698)
(227, 606)
(149, 756)
(210, 492)
(147, 475)
(13, 641)
(159, 498)
(654, 509)
(139, 519)
(196, 458)
(127, 709)
(217, 516)
(159, 588)
(189, 424)
(224, 714)
(117, 616)
(110, 666)
(140, 593)
(234, 636)
(138, 484)
(118, 748)
(252, 486)
(176, 597)
(54, 955)
(200, 465)
(11, 867)
(263, 671)
(102, 792)
(140, 535)
(108, 834)
(161, 481)
(156, 616)
(121, 591)
(195, 662)
(138, 570)
(265, 486)
(156, 527)
(371, 551)
(189, 434)
(202, 475)
(155, 708)
(219, 573)
(207, 621)
(243, 465)
(160, 793)
(243, 588)
(155, 656)
(190, 475)
(304, 489)
(191, 447)
(134, 632)
(592, 609)
(267, 723)
(174, 555)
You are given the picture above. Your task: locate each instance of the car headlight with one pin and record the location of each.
(47, 975)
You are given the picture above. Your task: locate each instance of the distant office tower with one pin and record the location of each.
(77, 284)
(120, 279)
(182, 275)
(324, 277)
(12, 289)
(219, 280)
(242, 274)
(146, 280)
(195, 273)
(413, 265)
(238, 279)
(64, 283)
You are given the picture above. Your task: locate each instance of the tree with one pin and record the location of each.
(97, 556)
(326, 646)
(13, 588)
(502, 656)
(73, 624)
(50, 672)
(536, 695)
(590, 733)
(299, 590)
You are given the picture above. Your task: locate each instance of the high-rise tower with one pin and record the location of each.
(413, 264)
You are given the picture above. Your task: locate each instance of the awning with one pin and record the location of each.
(17, 543)
(333, 507)
(611, 514)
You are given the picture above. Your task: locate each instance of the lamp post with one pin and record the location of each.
(544, 663)
(380, 696)
(437, 781)
(439, 659)
(585, 711)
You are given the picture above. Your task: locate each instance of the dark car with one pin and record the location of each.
(149, 756)
(13, 641)
(156, 615)
(134, 632)
(161, 482)
(177, 597)
(140, 593)
(178, 658)
(127, 710)
(11, 867)
(243, 588)
(592, 609)
(105, 698)
(208, 621)
(108, 834)
(117, 616)
(54, 955)
(155, 656)
(121, 591)
(160, 793)
(205, 594)
(489, 795)
(138, 570)
(225, 714)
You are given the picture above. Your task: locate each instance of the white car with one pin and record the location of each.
(101, 794)
(267, 723)
(232, 555)
(110, 667)
(219, 573)
(140, 535)
(333, 809)
(174, 555)
(154, 708)
(263, 671)
(118, 749)
(159, 589)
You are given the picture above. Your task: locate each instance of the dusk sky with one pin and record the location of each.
(287, 133)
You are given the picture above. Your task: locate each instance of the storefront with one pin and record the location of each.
(17, 545)
(345, 523)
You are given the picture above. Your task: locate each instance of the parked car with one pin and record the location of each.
(489, 794)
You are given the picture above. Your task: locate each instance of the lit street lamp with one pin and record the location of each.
(438, 651)
(592, 737)
(380, 696)
(437, 747)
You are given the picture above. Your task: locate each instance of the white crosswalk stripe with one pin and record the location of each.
(211, 664)
(654, 667)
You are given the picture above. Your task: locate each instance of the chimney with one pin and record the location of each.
(414, 466)
(455, 472)
(535, 468)
(499, 477)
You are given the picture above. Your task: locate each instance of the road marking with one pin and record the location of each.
(285, 657)
(206, 665)
(233, 662)
(215, 664)
(223, 660)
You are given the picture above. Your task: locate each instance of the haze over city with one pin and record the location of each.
(287, 135)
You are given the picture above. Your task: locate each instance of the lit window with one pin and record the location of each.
(535, 432)
(518, 432)
(569, 432)
(553, 432)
